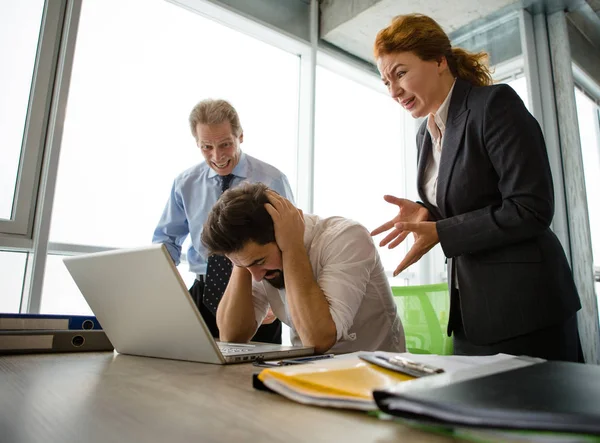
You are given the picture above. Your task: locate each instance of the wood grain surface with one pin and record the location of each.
(106, 397)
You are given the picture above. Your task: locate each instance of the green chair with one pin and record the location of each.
(424, 313)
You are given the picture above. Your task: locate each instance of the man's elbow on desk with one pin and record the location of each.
(235, 333)
(323, 342)
(323, 346)
(234, 336)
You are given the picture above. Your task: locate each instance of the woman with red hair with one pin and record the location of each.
(487, 197)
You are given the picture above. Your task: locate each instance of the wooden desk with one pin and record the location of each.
(103, 398)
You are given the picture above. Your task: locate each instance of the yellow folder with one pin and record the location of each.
(346, 382)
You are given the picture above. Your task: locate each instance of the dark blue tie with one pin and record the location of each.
(218, 269)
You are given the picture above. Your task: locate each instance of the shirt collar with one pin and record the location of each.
(240, 170)
(441, 116)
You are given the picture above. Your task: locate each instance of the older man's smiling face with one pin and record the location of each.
(219, 146)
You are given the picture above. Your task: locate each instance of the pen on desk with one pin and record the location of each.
(310, 358)
(291, 361)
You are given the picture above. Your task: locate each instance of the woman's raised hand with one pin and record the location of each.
(408, 211)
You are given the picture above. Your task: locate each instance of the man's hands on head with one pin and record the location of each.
(288, 221)
(308, 306)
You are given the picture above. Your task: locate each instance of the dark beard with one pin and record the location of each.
(277, 281)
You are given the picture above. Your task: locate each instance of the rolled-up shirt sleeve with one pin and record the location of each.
(347, 263)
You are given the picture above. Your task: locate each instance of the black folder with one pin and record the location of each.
(548, 396)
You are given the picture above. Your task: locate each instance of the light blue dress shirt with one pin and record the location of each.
(193, 195)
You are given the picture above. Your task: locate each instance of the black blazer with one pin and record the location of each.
(495, 203)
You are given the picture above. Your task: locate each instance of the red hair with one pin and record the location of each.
(423, 36)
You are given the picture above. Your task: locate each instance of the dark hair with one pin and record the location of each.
(423, 36)
(237, 218)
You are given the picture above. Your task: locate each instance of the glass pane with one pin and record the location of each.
(359, 154)
(60, 293)
(19, 31)
(497, 34)
(520, 87)
(11, 284)
(597, 285)
(136, 76)
(589, 132)
(188, 277)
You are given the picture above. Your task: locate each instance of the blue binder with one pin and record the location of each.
(13, 322)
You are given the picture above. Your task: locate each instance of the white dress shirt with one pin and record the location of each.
(348, 270)
(436, 125)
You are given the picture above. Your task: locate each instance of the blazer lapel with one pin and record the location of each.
(424, 153)
(451, 146)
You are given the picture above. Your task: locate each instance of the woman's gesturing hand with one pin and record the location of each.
(426, 237)
(408, 211)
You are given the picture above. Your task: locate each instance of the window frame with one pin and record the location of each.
(18, 231)
(28, 230)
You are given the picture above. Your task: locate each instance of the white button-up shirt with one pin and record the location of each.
(348, 270)
(436, 125)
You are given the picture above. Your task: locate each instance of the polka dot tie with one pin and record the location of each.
(218, 269)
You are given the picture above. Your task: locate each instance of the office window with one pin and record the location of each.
(11, 284)
(61, 295)
(19, 30)
(589, 131)
(359, 154)
(139, 68)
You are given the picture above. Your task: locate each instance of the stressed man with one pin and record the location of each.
(216, 128)
(321, 277)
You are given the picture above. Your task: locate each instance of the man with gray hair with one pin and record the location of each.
(218, 132)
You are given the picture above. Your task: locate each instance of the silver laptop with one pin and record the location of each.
(145, 309)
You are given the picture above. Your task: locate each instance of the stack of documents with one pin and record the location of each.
(33, 333)
(348, 381)
(341, 382)
(500, 397)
